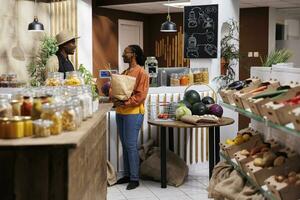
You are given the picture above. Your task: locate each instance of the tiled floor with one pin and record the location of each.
(193, 188)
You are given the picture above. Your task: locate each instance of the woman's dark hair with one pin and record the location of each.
(140, 57)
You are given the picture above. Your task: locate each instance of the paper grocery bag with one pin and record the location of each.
(122, 86)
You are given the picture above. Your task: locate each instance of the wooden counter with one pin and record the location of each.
(70, 166)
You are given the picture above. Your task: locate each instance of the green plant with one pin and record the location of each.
(277, 56)
(37, 67)
(230, 53)
(89, 80)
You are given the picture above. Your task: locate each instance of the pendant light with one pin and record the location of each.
(35, 25)
(168, 26)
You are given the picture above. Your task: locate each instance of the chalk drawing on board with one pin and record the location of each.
(210, 49)
(208, 23)
(192, 20)
(192, 49)
(209, 10)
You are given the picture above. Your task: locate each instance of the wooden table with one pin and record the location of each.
(214, 140)
(69, 166)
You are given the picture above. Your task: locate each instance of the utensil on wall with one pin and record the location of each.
(35, 25)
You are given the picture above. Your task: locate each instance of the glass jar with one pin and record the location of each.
(3, 77)
(78, 111)
(69, 118)
(36, 108)
(205, 75)
(16, 107)
(73, 78)
(15, 128)
(151, 66)
(42, 128)
(4, 126)
(191, 77)
(89, 99)
(5, 108)
(26, 107)
(28, 126)
(163, 77)
(54, 79)
(174, 80)
(184, 80)
(198, 77)
(53, 113)
(11, 77)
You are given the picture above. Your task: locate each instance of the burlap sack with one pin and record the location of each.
(122, 86)
(177, 170)
(111, 174)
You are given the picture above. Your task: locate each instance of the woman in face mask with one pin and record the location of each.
(130, 114)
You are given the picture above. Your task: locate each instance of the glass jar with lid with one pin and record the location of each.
(3, 77)
(16, 107)
(5, 108)
(78, 111)
(69, 117)
(4, 126)
(174, 80)
(11, 77)
(26, 107)
(36, 108)
(53, 113)
(198, 77)
(88, 96)
(54, 79)
(14, 128)
(28, 126)
(42, 128)
(73, 78)
(151, 66)
(205, 75)
(184, 80)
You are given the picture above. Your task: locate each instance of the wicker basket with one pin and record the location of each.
(215, 96)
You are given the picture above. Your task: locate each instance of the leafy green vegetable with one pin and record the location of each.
(182, 111)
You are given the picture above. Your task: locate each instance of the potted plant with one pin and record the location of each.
(229, 54)
(277, 56)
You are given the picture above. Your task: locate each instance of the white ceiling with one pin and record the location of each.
(159, 7)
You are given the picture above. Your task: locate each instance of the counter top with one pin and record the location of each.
(70, 139)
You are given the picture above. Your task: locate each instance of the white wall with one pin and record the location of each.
(85, 43)
(228, 9)
(272, 29)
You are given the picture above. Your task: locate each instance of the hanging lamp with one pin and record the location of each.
(35, 25)
(168, 26)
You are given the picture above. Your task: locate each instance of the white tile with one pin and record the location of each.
(146, 198)
(180, 197)
(197, 191)
(199, 197)
(162, 193)
(140, 192)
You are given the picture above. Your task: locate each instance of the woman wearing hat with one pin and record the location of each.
(60, 62)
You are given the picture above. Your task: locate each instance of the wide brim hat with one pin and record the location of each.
(64, 37)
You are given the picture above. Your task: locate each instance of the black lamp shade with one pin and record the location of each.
(168, 26)
(35, 25)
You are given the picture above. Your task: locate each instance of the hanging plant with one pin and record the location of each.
(229, 55)
(37, 68)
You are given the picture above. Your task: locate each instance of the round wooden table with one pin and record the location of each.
(213, 138)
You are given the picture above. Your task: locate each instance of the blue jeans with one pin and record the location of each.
(128, 128)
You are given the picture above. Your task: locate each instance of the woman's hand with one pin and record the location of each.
(118, 103)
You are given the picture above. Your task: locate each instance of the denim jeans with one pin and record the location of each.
(128, 129)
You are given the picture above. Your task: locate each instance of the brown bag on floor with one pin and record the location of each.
(111, 174)
(122, 86)
(177, 170)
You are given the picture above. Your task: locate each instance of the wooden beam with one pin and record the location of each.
(118, 2)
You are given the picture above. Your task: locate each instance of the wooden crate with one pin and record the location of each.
(230, 150)
(226, 96)
(260, 174)
(295, 116)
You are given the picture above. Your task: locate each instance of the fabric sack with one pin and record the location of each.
(122, 86)
(111, 174)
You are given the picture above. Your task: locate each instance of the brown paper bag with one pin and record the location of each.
(122, 86)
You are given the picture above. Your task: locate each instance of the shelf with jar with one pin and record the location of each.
(47, 109)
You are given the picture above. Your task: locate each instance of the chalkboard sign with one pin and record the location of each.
(201, 31)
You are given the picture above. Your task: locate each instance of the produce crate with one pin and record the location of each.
(242, 160)
(295, 116)
(230, 150)
(162, 111)
(260, 174)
